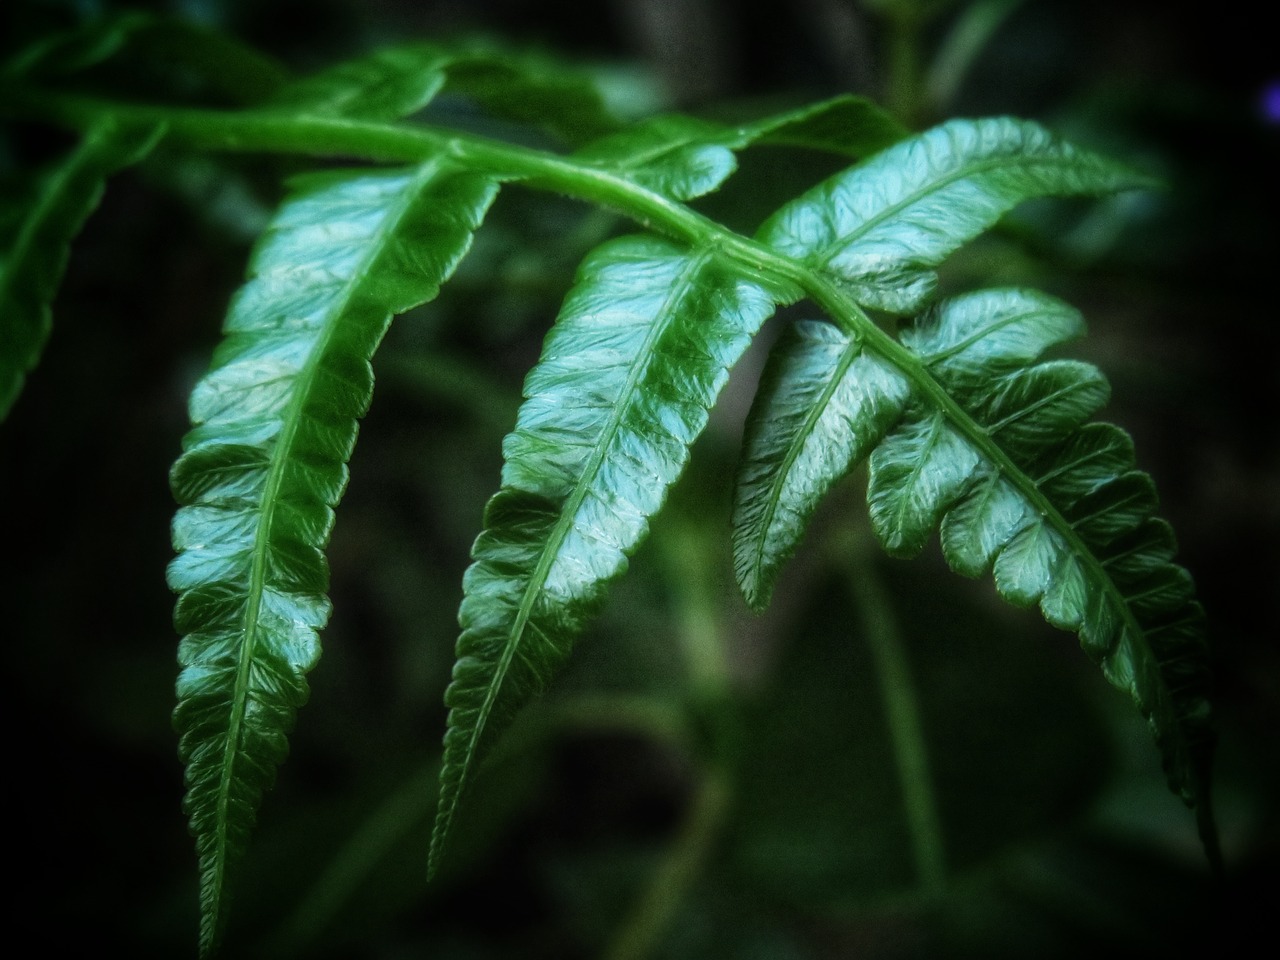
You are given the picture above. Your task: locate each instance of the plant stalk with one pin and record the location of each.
(650, 917)
(902, 711)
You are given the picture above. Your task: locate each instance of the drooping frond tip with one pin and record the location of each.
(966, 432)
(1014, 476)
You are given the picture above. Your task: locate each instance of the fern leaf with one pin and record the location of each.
(156, 47)
(1021, 485)
(37, 257)
(677, 156)
(822, 405)
(75, 49)
(628, 373)
(846, 125)
(527, 87)
(881, 225)
(388, 84)
(265, 464)
(393, 82)
(683, 157)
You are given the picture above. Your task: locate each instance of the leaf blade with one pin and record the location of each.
(264, 465)
(684, 157)
(387, 84)
(823, 404)
(626, 379)
(880, 226)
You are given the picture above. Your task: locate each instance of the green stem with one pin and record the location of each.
(684, 551)
(652, 914)
(902, 712)
(410, 805)
(904, 94)
(683, 548)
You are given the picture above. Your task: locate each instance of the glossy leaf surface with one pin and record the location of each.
(1021, 485)
(881, 226)
(35, 259)
(822, 405)
(627, 376)
(527, 87)
(265, 464)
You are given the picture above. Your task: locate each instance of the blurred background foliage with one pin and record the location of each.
(701, 782)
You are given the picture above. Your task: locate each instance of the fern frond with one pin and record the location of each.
(881, 225)
(992, 447)
(275, 421)
(36, 257)
(628, 373)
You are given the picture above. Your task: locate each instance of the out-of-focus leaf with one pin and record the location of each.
(1022, 486)
(105, 49)
(390, 83)
(683, 157)
(395, 81)
(71, 51)
(846, 125)
(34, 260)
(529, 87)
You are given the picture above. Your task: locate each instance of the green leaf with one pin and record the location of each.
(881, 225)
(846, 125)
(36, 257)
(678, 156)
(396, 81)
(1021, 485)
(388, 84)
(822, 405)
(265, 464)
(73, 50)
(195, 56)
(183, 55)
(528, 87)
(684, 157)
(628, 373)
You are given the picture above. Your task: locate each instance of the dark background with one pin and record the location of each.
(1060, 834)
